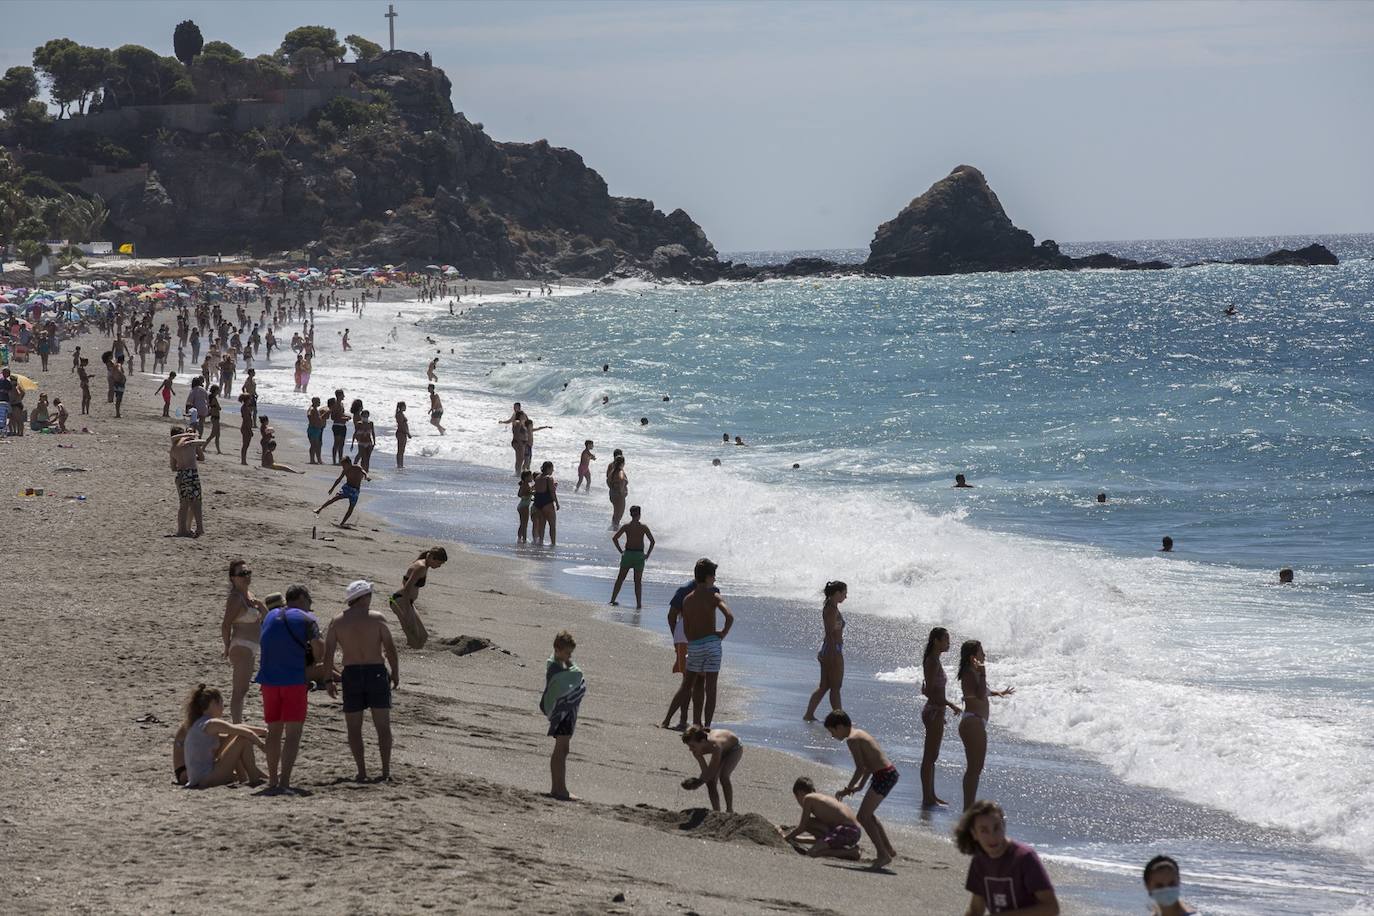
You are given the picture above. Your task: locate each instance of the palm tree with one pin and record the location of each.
(33, 252)
(82, 219)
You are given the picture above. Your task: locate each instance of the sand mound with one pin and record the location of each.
(706, 824)
(466, 645)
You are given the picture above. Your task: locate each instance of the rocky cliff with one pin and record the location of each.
(400, 179)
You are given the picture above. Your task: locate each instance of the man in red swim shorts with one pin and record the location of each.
(287, 634)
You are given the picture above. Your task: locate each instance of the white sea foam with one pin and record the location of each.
(1175, 675)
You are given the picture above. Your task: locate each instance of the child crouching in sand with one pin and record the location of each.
(870, 763)
(724, 750)
(208, 751)
(832, 829)
(564, 688)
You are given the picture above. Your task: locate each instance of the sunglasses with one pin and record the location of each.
(246, 573)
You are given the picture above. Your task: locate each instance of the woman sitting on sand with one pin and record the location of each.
(546, 505)
(933, 713)
(39, 419)
(240, 628)
(831, 655)
(269, 449)
(209, 751)
(973, 725)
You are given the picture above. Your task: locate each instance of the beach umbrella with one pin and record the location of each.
(25, 383)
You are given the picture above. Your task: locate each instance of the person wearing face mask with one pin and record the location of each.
(1161, 883)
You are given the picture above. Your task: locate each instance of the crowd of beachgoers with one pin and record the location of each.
(224, 326)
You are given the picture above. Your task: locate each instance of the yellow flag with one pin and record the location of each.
(126, 248)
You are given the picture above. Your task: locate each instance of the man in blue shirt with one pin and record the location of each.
(287, 634)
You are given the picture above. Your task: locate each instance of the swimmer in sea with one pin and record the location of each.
(831, 655)
(1167, 545)
(973, 725)
(1285, 576)
(584, 467)
(961, 484)
(933, 713)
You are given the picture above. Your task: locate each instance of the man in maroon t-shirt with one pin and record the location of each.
(1005, 876)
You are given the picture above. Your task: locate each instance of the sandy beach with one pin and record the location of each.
(112, 622)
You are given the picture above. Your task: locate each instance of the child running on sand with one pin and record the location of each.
(833, 830)
(353, 476)
(869, 762)
(724, 750)
(564, 689)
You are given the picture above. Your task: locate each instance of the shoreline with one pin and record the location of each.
(82, 777)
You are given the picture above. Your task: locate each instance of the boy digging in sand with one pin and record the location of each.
(869, 762)
(564, 688)
(833, 829)
(725, 751)
(354, 476)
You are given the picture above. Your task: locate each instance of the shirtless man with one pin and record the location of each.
(633, 556)
(724, 750)
(430, 373)
(315, 419)
(436, 410)
(353, 475)
(516, 422)
(118, 379)
(364, 638)
(869, 761)
(186, 450)
(703, 639)
(832, 826)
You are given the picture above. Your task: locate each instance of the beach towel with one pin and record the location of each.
(564, 689)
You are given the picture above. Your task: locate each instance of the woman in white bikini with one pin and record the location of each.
(973, 724)
(240, 628)
(831, 655)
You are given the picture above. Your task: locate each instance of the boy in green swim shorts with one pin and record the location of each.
(632, 555)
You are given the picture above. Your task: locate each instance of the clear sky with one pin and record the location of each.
(785, 125)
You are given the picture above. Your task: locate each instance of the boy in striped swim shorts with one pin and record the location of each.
(699, 609)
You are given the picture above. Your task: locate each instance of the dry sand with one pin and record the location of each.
(108, 620)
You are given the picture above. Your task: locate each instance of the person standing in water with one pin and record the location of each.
(524, 495)
(1161, 883)
(632, 556)
(973, 725)
(1004, 876)
(436, 410)
(584, 467)
(402, 433)
(933, 713)
(618, 483)
(403, 602)
(516, 422)
(315, 419)
(430, 372)
(338, 418)
(831, 655)
(546, 505)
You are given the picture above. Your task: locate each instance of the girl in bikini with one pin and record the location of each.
(973, 725)
(245, 425)
(933, 713)
(546, 505)
(522, 509)
(831, 656)
(240, 628)
(212, 405)
(403, 602)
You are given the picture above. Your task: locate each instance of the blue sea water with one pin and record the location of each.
(1182, 702)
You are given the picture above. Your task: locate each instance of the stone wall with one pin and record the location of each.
(203, 118)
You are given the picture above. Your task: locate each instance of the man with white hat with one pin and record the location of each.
(364, 637)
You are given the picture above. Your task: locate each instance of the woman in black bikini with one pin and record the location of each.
(245, 425)
(831, 655)
(212, 406)
(973, 725)
(403, 602)
(546, 505)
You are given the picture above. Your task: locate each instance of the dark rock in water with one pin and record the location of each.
(958, 226)
(1104, 261)
(1313, 255)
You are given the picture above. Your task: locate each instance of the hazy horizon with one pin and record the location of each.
(787, 126)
